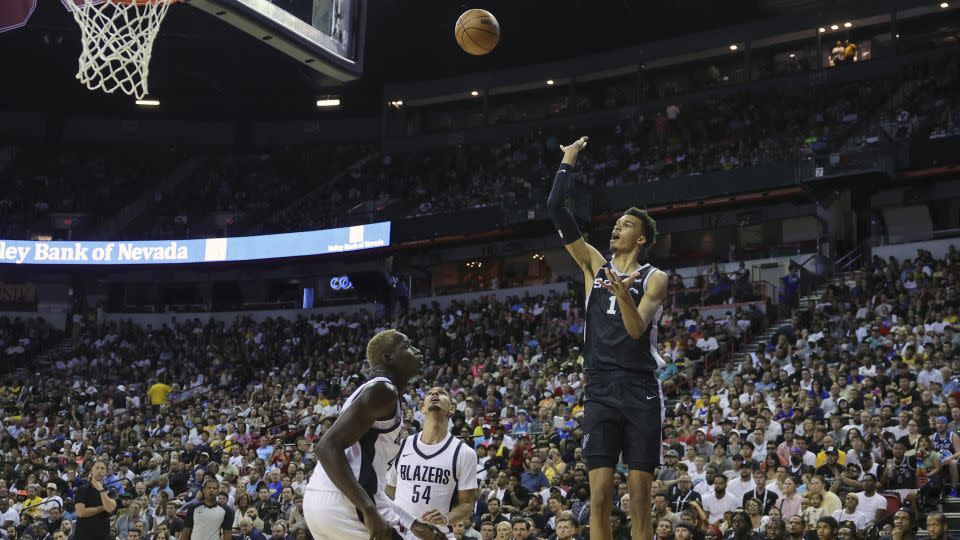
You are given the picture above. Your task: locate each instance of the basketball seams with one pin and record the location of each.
(479, 46)
(484, 30)
(490, 41)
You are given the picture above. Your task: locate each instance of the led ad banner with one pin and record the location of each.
(239, 248)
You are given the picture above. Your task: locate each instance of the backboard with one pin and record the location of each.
(327, 35)
(15, 13)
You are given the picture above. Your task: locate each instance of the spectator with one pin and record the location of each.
(248, 531)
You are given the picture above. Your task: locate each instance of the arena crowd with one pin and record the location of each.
(837, 424)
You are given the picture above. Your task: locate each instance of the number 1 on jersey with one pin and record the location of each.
(613, 306)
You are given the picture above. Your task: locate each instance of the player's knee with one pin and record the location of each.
(601, 503)
(639, 507)
(601, 495)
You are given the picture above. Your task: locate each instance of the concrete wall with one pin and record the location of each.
(909, 250)
(501, 294)
(722, 309)
(693, 271)
(56, 319)
(157, 319)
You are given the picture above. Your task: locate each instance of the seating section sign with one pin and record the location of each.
(240, 248)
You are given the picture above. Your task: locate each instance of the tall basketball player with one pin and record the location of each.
(623, 411)
(344, 498)
(435, 474)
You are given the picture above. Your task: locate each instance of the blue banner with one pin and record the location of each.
(239, 248)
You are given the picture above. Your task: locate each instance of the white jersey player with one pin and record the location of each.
(435, 474)
(344, 498)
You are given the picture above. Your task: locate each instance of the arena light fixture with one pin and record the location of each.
(396, 103)
(822, 29)
(148, 102)
(733, 47)
(793, 55)
(834, 26)
(549, 82)
(944, 5)
(328, 102)
(474, 93)
(847, 24)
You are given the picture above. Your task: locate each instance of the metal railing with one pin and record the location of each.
(847, 261)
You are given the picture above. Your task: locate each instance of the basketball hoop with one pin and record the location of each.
(117, 38)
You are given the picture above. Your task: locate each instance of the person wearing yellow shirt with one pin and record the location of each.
(31, 504)
(850, 52)
(555, 466)
(158, 393)
(577, 410)
(909, 355)
(829, 449)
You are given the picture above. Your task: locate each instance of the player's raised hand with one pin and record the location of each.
(576, 146)
(617, 286)
(426, 531)
(572, 150)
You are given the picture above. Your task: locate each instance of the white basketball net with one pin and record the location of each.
(117, 40)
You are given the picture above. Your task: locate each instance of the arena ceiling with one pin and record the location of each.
(203, 67)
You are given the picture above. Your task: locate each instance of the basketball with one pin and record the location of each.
(477, 32)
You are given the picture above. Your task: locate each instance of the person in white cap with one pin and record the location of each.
(120, 400)
(53, 500)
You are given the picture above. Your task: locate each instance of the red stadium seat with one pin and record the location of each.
(893, 502)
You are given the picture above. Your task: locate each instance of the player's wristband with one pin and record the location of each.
(406, 520)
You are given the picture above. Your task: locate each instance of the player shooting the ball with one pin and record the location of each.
(623, 409)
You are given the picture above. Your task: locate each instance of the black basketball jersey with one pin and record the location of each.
(607, 345)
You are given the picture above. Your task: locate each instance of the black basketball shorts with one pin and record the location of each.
(623, 415)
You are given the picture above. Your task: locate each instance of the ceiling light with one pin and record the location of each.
(734, 47)
(397, 103)
(549, 82)
(148, 102)
(847, 24)
(822, 29)
(328, 102)
(474, 93)
(944, 5)
(834, 27)
(793, 55)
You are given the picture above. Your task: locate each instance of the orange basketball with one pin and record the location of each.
(477, 31)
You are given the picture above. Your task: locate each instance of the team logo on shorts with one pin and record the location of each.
(586, 440)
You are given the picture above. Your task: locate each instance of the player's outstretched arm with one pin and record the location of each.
(377, 401)
(586, 256)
